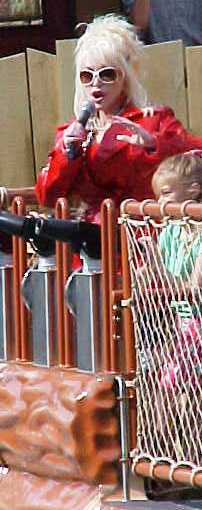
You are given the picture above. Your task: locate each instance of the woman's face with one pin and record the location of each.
(104, 85)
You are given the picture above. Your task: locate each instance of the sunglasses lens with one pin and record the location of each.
(108, 74)
(86, 77)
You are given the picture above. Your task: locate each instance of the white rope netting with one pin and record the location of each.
(165, 261)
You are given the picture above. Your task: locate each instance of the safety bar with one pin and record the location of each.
(63, 264)
(7, 195)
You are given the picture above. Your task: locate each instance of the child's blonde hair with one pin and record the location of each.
(186, 167)
(114, 41)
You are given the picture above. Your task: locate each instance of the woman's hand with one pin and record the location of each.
(140, 136)
(73, 136)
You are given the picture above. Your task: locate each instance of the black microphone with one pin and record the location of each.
(87, 109)
(80, 234)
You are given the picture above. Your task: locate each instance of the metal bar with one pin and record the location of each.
(106, 361)
(83, 295)
(63, 264)
(24, 314)
(68, 324)
(152, 208)
(19, 268)
(16, 290)
(124, 436)
(8, 194)
(117, 296)
(60, 303)
(112, 272)
(6, 313)
(176, 473)
(128, 332)
(130, 361)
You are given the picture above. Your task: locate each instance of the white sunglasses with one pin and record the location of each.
(105, 75)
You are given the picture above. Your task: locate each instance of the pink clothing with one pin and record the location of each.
(184, 365)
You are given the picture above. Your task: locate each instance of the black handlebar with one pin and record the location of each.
(44, 232)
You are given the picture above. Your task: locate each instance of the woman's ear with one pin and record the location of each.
(195, 190)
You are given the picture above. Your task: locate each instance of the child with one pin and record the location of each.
(168, 298)
(177, 179)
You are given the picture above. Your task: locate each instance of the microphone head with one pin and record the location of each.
(87, 109)
(88, 106)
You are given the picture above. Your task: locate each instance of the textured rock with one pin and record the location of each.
(60, 424)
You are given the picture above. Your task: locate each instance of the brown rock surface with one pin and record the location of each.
(59, 424)
(23, 491)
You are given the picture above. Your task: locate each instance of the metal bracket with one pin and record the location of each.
(126, 302)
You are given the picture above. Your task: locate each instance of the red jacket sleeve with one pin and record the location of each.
(172, 137)
(56, 179)
(128, 167)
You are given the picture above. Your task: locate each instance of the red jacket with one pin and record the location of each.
(114, 169)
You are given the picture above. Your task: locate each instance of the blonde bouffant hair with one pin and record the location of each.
(113, 41)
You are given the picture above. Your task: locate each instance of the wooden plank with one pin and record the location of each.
(43, 102)
(66, 75)
(194, 78)
(164, 79)
(16, 153)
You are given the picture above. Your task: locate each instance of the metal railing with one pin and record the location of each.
(119, 346)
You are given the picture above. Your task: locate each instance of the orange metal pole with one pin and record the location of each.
(112, 259)
(152, 208)
(19, 267)
(24, 314)
(106, 362)
(28, 194)
(68, 323)
(9, 194)
(63, 263)
(16, 296)
(163, 471)
(60, 303)
(130, 363)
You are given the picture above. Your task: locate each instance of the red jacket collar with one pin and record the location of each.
(132, 111)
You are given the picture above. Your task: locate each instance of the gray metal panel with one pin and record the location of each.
(39, 293)
(88, 320)
(7, 339)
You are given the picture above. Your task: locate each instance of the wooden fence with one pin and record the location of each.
(37, 89)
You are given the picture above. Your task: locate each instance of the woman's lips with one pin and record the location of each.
(97, 95)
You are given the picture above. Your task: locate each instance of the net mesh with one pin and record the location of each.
(165, 261)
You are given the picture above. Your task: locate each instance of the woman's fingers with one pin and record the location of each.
(75, 133)
(71, 139)
(139, 138)
(133, 139)
(139, 135)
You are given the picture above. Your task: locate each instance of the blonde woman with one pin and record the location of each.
(116, 151)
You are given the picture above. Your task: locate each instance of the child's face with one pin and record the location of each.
(173, 189)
